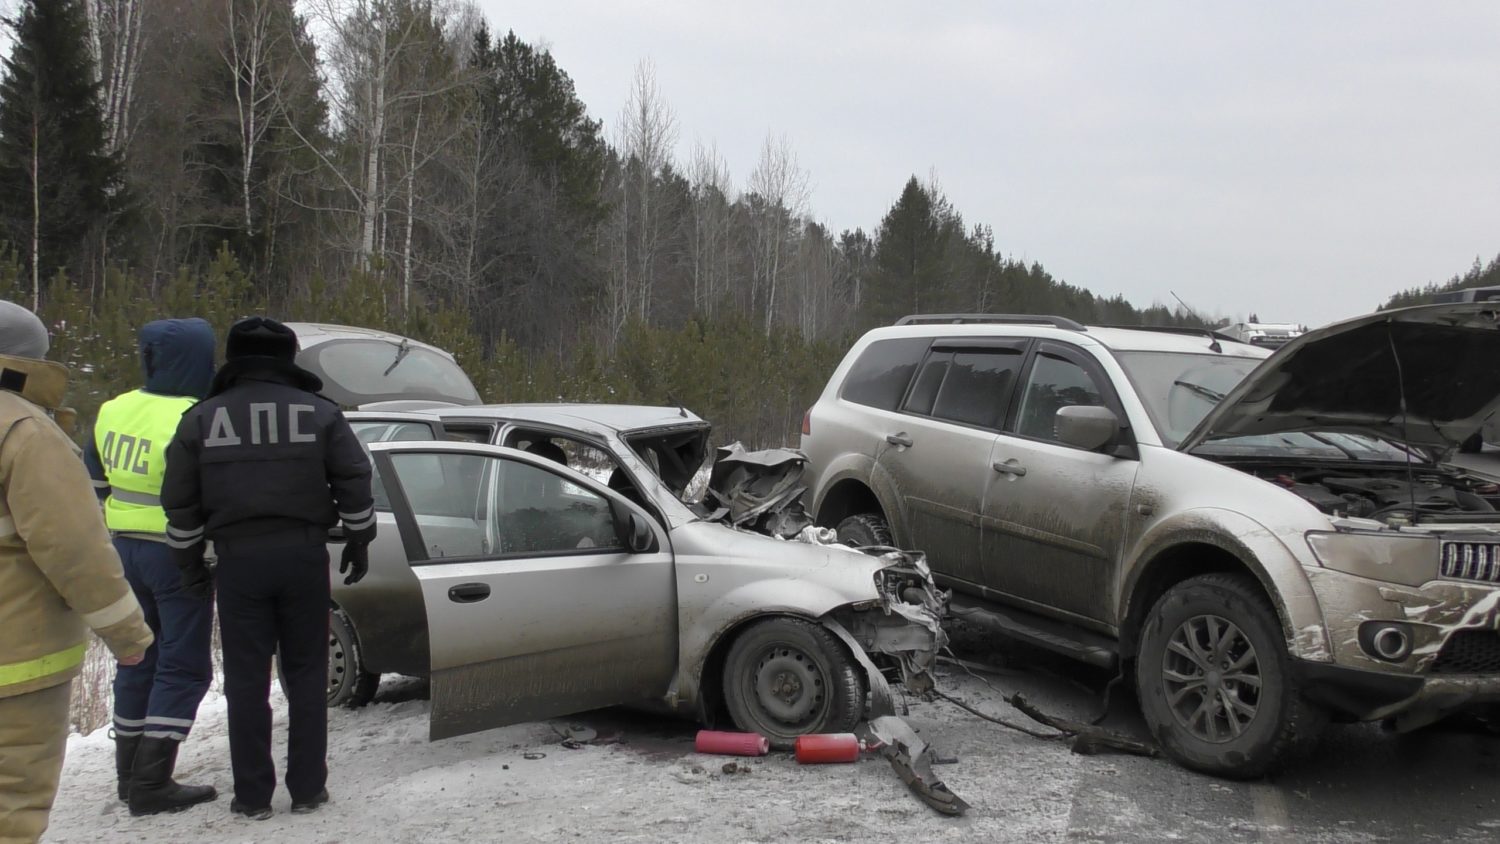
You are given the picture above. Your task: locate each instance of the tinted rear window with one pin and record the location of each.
(880, 376)
(356, 372)
(978, 386)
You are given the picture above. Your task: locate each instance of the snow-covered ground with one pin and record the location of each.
(390, 784)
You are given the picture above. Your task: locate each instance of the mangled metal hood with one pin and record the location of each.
(1349, 377)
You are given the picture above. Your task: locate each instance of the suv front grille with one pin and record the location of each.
(1469, 652)
(1471, 561)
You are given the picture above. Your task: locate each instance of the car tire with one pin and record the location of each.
(1215, 681)
(785, 677)
(349, 684)
(864, 530)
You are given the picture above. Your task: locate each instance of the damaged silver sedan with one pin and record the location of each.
(535, 561)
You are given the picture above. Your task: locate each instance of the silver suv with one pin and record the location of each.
(1262, 541)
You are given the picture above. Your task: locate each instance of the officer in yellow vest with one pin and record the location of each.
(59, 576)
(157, 700)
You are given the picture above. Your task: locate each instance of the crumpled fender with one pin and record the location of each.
(1278, 568)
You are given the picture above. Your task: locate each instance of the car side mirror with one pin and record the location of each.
(639, 537)
(1089, 427)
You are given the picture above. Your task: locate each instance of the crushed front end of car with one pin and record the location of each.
(761, 492)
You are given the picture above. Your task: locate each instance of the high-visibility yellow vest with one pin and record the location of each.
(132, 435)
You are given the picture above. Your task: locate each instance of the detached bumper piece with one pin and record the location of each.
(912, 759)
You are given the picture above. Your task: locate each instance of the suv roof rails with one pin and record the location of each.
(1025, 319)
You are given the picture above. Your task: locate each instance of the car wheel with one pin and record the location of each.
(865, 529)
(1215, 680)
(349, 684)
(785, 677)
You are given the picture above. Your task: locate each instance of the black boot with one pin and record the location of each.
(125, 748)
(152, 788)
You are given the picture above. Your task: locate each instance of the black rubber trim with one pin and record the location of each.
(1353, 691)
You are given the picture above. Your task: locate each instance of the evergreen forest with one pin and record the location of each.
(412, 166)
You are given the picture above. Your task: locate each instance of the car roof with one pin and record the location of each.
(621, 418)
(311, 334)
(1111, 337)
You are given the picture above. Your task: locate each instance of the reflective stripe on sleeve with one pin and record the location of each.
(42, 666)
(358, 516)
(180, 539)
(112, 614)
(361, 525)
(101, 484)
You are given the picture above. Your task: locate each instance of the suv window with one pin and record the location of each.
(1054, 383)
(978, 387)
(880, 376)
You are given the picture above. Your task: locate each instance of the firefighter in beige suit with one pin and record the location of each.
(59, 577)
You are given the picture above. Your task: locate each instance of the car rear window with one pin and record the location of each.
(880, 376)
(356, 372)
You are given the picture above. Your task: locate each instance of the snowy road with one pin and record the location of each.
(390, 784)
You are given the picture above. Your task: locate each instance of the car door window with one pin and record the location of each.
(541, 513)
(473, 505)
(924, 390)
(1054, 383)
(880, 377)
(446, 493)
(977, 387)
(386, 430)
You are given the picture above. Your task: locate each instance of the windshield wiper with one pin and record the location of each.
(1201, 391)
(401, 352)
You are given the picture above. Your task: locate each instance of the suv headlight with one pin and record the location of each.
(1408, 560)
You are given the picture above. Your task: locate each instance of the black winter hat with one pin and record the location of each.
(261, 337)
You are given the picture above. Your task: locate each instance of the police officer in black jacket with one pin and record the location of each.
(263, 467)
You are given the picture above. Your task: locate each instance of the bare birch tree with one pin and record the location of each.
(782, 189)
(648, 131)
(117, 42)
(712, 223)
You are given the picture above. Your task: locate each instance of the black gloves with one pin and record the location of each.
(356, 556)
(196, 581)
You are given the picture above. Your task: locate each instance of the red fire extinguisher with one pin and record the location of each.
(731, 744)
(818, 749)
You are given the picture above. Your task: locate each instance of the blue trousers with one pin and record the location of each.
(160, 696)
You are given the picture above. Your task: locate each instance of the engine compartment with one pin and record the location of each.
(1392, 494)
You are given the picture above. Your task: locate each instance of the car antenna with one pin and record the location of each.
(1411, 484)
(1213, 342)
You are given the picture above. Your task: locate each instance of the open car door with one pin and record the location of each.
(536, 604)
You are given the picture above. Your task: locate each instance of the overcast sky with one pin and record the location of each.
(1299, 160)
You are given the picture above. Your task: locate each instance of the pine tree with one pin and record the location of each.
(910, 274)
(58, 183)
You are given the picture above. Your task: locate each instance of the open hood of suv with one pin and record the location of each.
(1344, 378)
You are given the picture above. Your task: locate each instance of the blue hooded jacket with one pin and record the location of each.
(177, 358)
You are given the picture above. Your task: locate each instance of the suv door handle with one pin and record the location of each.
(468, 593)
(901, 439)
(1014, 469)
